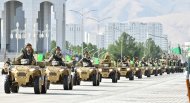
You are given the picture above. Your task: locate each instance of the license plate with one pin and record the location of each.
(84, 72)
(105, 75)
(52, 74)
(21, 74)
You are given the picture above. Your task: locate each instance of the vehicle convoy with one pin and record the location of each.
(85, 71)
(59, 72)
(124, 68)
(108, 69)
(26, 72)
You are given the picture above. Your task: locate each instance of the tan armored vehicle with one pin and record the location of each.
(25, 75)
(125, 70)
(57, 74)
(86, 72)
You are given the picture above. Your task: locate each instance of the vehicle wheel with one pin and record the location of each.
(44, 86)
(48, 84)
(131, 76)
(118, 76)
(37, 85)
(148, 73)
(168, 71)
(160, 72)
(100, 78)
(172, 71)
(66, 82)
(76, 80)
(139, 74)
(94, 79)
(156, 73)
(14, 89)
(114, 77)
(71, 83)
(7, 84)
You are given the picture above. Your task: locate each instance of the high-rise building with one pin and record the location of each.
(140, 31)
(74, 34)
(34, 18)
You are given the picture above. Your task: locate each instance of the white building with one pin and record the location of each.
(32, 16)
(74, 34)
(140, 31)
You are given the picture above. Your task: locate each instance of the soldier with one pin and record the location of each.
(143, 62)
(57, 56)
(107, 59)
(27, 53)
(136, 61)
(86, 59)
(126, 60)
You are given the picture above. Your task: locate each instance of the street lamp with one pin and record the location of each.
(99, 21)
(82, 14)
(43, 34)
(19, 34)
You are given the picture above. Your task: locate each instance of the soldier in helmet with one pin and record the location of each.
(57, 56)
(86, 59)
(27, 53)
(136, 61)
(126, 60)
(107, 59)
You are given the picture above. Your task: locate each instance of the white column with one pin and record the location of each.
(3, 31)
(47, 19)
(60, 24)
(31, 15)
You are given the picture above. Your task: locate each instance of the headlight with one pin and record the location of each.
(100, 70)
(146, 68)
(159, 68)
(31, 69)
(154, 68)
(110, 70)
(119, 69)
(137, 68)
(128, 69)
(78, 70)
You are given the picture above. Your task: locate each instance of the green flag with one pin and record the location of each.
(96, 61)
(40, 57)
(68, 58)
(176, 50)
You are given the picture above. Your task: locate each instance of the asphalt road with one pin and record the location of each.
(161, 89)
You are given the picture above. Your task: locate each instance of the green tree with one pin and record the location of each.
(53, 44)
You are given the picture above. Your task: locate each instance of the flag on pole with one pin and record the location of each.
(40, 57)
(68, 58)
(176, 50)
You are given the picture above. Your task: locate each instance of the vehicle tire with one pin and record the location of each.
(168, 71)
(148, 73)
(114, 77)
(156, 73)
(100, 78)
(14, 89)
(37, 85)
(48, 84)
(118, 76)
(44, 86)
(65, 82)
(76, 80)
(71, 83)
(139, 74)
(7, 84)
(131, 76)
(94, 79)
(160, 72)
(172, 71)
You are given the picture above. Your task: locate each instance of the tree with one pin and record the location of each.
(53, 44)
(151, 49)
(128, 45)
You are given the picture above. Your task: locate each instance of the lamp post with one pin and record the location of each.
(99, 21)
(19, 34)
(82, 14)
